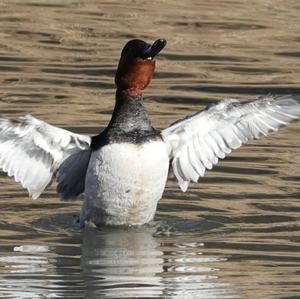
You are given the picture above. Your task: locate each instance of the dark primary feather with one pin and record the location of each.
(71, 175)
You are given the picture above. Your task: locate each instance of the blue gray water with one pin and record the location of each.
(236, 233)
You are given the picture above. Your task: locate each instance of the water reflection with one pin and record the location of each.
(125, 263)
(115, 263)
(121, 263)
(21, 275)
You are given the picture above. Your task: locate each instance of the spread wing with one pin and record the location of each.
(32, 151)
(198, 141)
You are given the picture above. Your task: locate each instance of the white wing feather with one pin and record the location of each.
(31, 151)
(198, 141)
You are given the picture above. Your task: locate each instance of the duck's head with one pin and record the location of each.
(137, 64)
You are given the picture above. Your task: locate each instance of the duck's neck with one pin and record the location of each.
(129, 113)
(129, 122)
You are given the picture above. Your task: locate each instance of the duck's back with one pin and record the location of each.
(125, 182)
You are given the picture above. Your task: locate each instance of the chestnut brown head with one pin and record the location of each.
(137, 64)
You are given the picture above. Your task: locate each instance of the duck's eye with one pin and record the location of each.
(145, 53)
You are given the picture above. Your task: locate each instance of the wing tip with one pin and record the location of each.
(183, 185)
(34, 195)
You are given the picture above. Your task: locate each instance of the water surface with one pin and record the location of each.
(236, 233)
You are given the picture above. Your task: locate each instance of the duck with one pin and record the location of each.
(122, 172)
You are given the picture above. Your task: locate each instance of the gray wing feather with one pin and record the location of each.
(31, 151)
(71, 175)
(198, 141)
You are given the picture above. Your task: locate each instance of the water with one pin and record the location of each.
(236, 233)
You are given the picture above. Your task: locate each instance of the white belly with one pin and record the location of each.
(124, 182)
